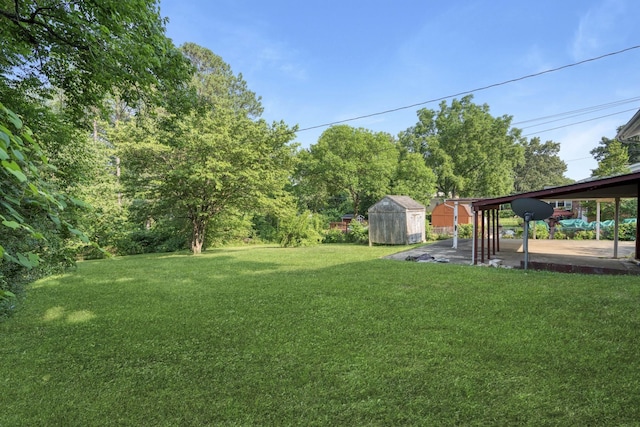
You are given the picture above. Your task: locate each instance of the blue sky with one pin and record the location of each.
(315, 62)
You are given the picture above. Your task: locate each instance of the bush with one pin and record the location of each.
(334, 236)
(584, 235)
(626, 232)
(541, 230)
(559, 235)
(465, 231)
(506, 213)
(428, 233)
(152, 241)
(358, 233)
(300, 230)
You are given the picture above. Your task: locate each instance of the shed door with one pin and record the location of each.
(416, 227)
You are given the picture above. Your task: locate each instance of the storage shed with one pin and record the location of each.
(442, 214)
(397, 220)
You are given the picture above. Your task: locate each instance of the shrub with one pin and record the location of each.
(300, 230)
(358, 233)
(153, 241)
(465, 231)
(541, 230)
(584, 235)
(626, 232)
(506, 213)
(334, 236)
(559, 235)
(428, 232)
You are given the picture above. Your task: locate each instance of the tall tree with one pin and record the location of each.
(215, 161)
(215, 84)
(632, 146)
(612, 160)
(471, 152)
(541, 167)
(32, 226)
(413, 178)
(356, 161)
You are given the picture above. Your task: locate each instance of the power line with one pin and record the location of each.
(575, 113)
(577, 123)
(473, 90)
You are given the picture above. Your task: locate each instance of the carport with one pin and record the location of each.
(487, 223)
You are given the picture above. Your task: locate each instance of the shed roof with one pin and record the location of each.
(405, 202)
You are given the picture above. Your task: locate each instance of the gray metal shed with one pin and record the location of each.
(397, 220)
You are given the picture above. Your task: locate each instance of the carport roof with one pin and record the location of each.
(620, 186)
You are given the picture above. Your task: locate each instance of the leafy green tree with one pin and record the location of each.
(542, 166)
(218, 162)
(471, 152)
(216, 85)
(59, 60)
(87, 49)
(32, 225)
(358, 162)
(613, 160)
(215, 161)
(632, 146)
(413, 178)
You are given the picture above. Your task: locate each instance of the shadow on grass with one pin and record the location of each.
(316, 337)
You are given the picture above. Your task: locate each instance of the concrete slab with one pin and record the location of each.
(579, 256)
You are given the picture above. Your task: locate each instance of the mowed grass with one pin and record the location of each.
(329, 335)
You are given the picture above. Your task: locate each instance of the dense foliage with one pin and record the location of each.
(60, 60)
(33, 226)
(86, 49)
(472, 153)
(542, 167)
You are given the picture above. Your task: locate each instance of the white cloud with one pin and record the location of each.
(597, 27)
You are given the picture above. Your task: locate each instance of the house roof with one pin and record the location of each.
(631, 129)
(620, 186)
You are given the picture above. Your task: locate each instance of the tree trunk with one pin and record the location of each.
(197, 238)
(356, 203)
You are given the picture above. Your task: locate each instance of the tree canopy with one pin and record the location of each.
(612, 157)
(541, 167)
(355, 161)
(632, 146)
(87, 49)
(471, 152)
(216, 160)
(59, 61)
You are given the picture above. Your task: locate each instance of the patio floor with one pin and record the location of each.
(570, 256)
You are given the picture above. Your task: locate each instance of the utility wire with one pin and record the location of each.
(473, 90)
(577, 123)
(575, 113)
(571, 117)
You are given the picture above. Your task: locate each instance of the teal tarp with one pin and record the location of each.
(578, 224)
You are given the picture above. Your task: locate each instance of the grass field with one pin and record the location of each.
(328, 335)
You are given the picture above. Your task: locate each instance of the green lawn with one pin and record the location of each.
(329, 335)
